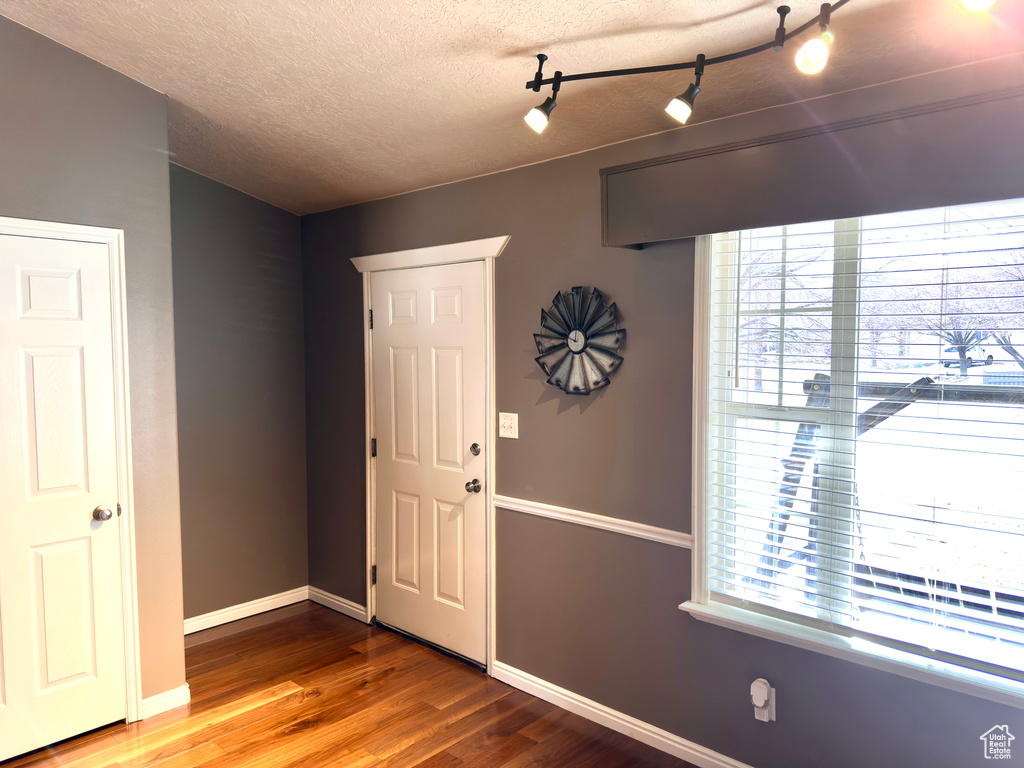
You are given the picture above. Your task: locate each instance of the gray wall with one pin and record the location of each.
(335, 446)
(241, 399)
(80, 143)
(591, 611)
(613, 634)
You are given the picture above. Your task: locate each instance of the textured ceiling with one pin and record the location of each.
(315, 104)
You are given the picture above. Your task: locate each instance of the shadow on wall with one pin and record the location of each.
(565, 401)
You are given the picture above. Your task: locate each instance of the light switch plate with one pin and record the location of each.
(508, 425)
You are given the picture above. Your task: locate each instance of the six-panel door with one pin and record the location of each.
(62, 664)
(429, 383)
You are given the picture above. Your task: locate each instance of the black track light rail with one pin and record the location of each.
(536, 84)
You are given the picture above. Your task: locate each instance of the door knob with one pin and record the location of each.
(102, 513)
(473, 486)
(475, 449)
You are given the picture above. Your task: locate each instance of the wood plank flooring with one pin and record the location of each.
(305, 686)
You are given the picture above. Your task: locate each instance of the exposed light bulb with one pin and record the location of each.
(681, 107)
(537, 118)
(813, 56)
(977, 5)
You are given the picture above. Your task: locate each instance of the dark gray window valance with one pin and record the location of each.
(962, 150)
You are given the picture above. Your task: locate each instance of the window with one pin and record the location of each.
(861, 431)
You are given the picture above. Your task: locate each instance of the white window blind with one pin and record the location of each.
(865, 429)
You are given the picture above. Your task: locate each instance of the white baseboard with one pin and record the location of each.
(280, 600)
(610, 718)
(162, 702)
(339, 604)
(244, 610)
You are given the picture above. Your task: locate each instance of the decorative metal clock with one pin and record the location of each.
(579, 350)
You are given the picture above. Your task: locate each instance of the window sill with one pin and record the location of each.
(859, 651)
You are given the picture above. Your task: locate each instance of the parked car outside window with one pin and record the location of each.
(975, 356)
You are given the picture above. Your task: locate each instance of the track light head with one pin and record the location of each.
(682, 105)
(813, 56)
(537, 118)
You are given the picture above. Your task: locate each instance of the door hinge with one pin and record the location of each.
(371, 319)
(373, 574)
(373, 447)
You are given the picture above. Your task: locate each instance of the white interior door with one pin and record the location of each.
(62, 657)
(429, 388)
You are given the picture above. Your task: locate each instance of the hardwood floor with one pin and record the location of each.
(305, 686)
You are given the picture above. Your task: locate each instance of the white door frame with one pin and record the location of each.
(113, 239)
(485, 250)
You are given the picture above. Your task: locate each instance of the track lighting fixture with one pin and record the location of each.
(813, 56)
(978, 5)
(811, 59)
(537, 118)
(682, 105)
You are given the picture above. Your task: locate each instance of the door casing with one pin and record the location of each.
(485, 250)
(113, 239)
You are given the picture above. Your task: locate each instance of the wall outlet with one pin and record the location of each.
(508, 425)
(762, 696)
